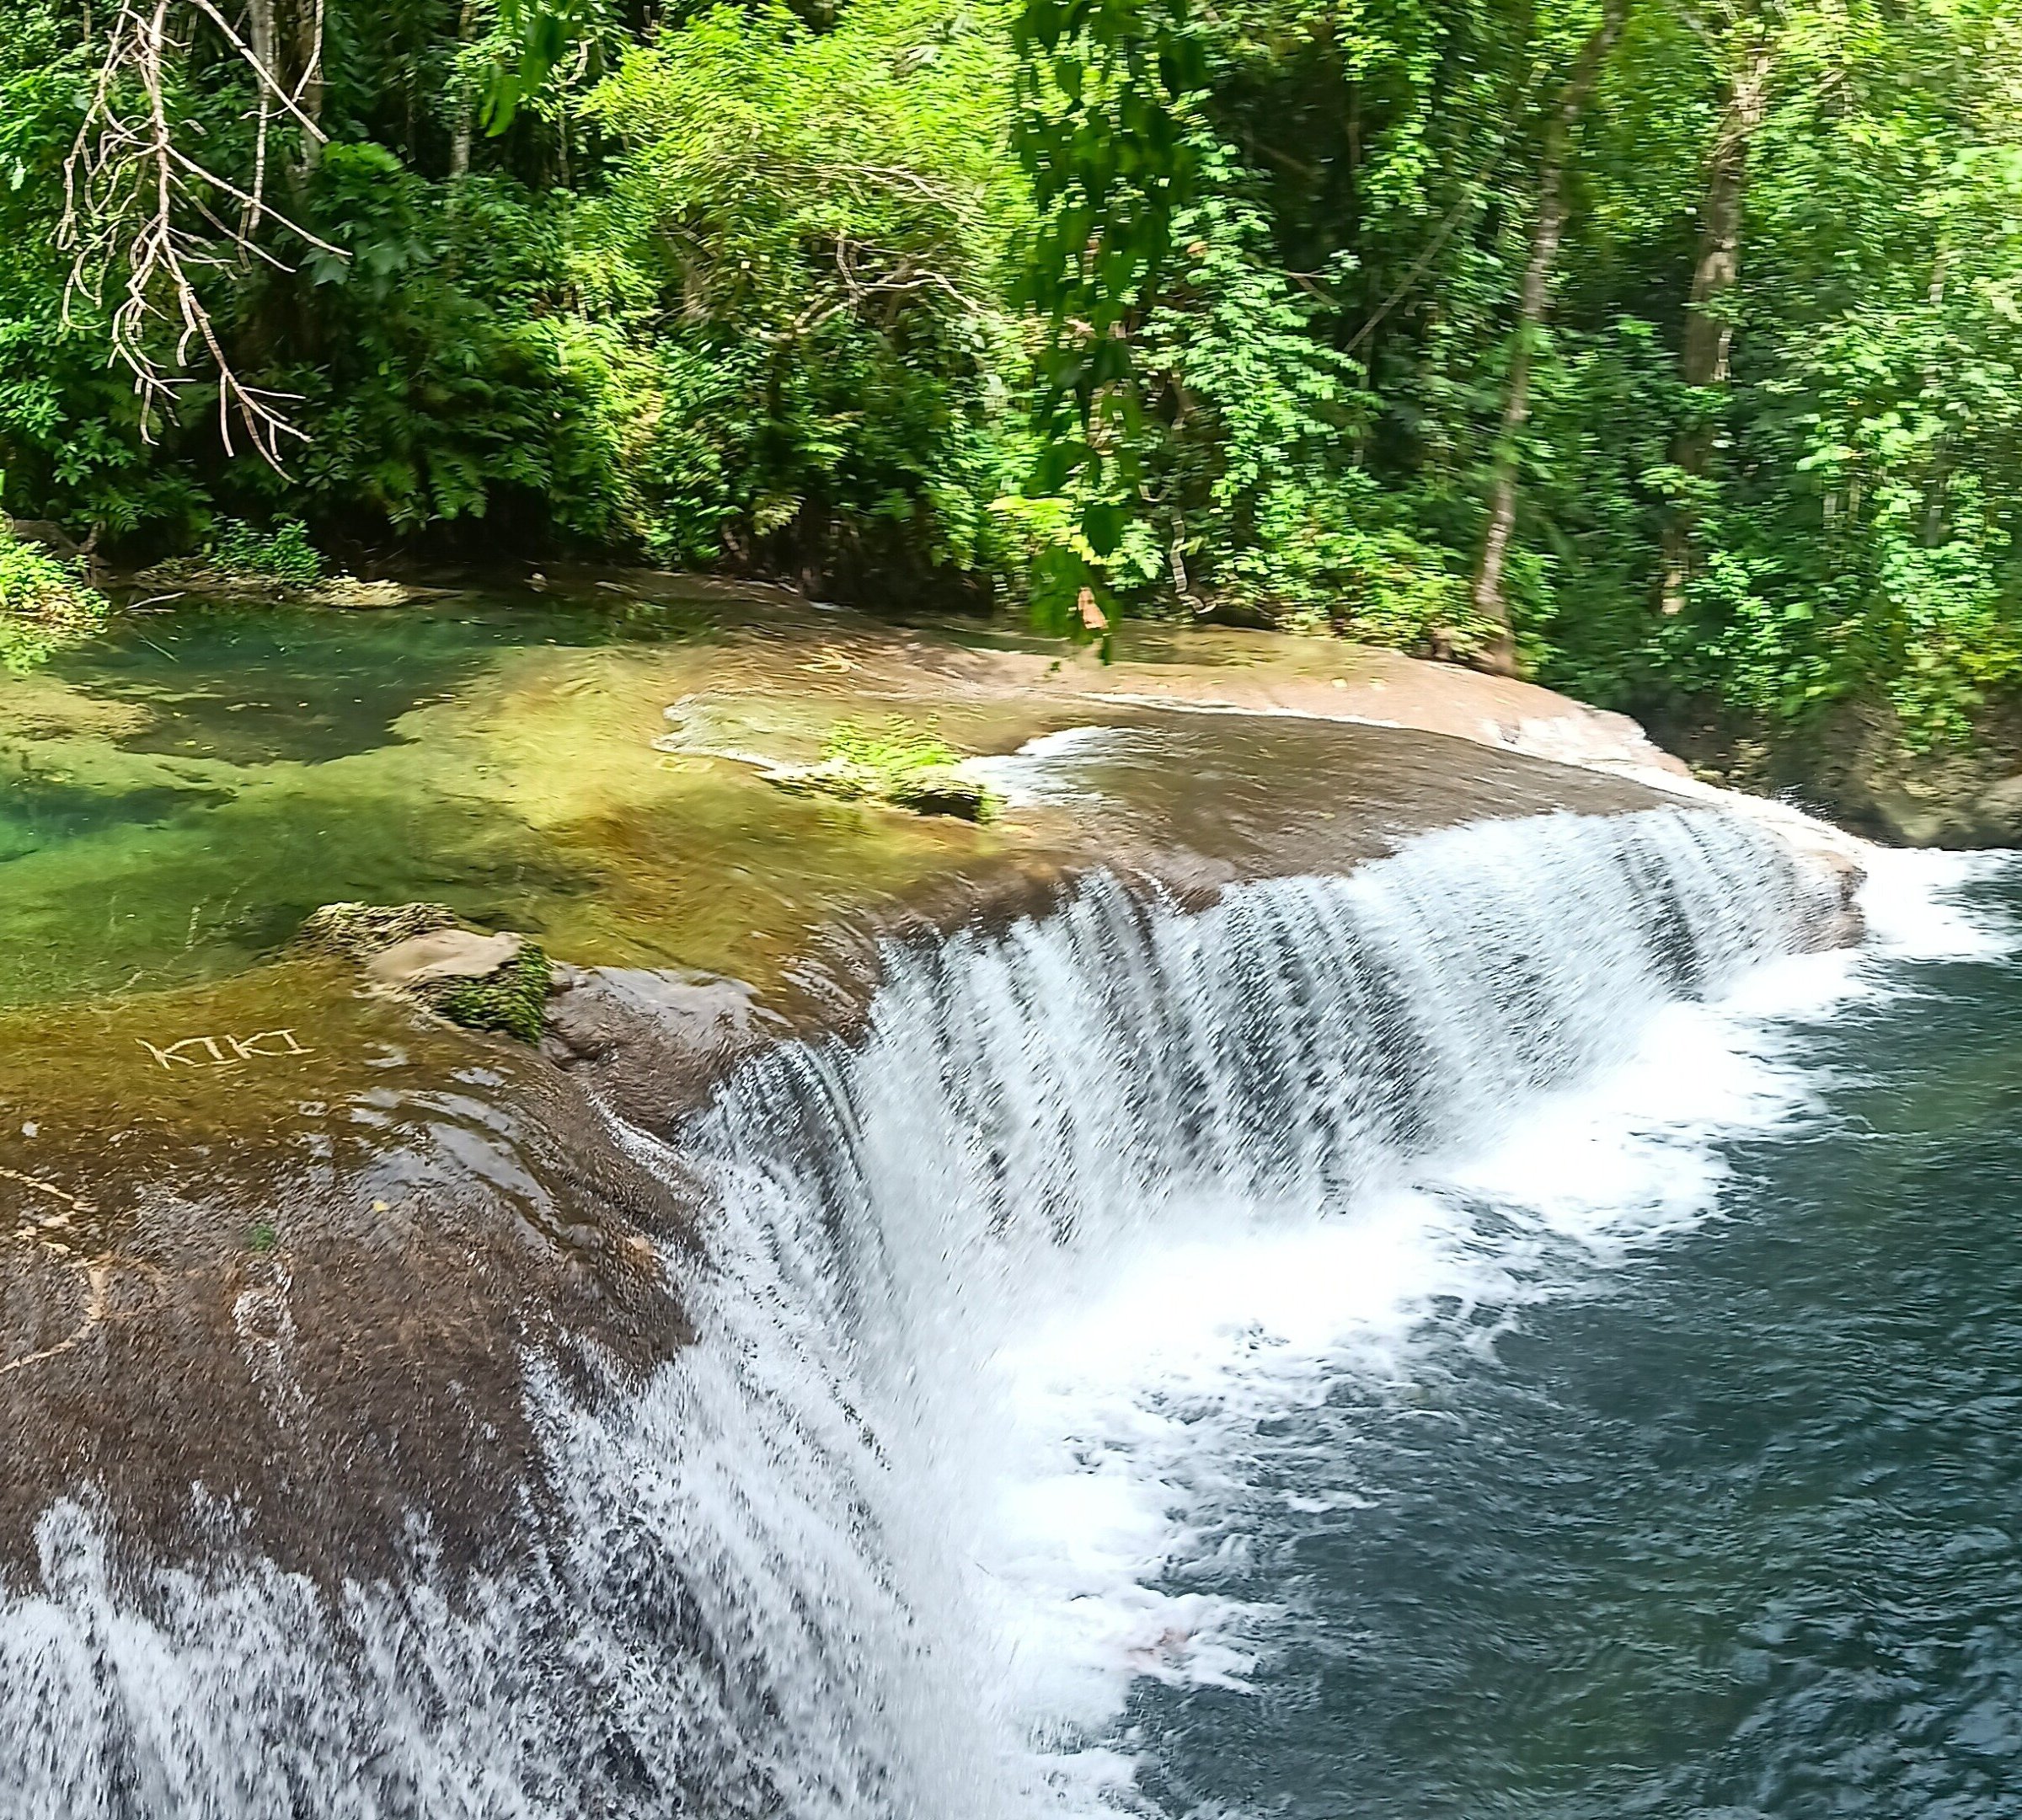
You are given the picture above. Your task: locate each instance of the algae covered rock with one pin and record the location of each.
(278, 563)
(511, 1000)
(497, 982)
(899, 764)
(358, 931)
(942, 790)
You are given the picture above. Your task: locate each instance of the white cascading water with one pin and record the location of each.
(989, 1296)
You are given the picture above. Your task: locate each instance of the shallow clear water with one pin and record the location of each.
(260, 682)
(177, 793)
(1733, 1529)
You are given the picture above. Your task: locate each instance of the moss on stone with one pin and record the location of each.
(359, 931)
(512, 1001)
(899, 763)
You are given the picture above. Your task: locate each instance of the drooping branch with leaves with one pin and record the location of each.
(1104, 91)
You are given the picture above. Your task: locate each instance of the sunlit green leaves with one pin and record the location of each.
(812, 229)
(1123, 306)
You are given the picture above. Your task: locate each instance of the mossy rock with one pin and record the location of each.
(421, 951)
(513, 1002)
(358, 931)
(898, 764)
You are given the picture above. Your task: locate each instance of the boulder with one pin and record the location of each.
(932, 789)
(442, 955)
(497, 982)
(1999, 813)
(359, 931)
(655, 1043)
(942, 790)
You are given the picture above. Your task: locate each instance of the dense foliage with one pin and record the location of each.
(1673, 353)
(44, 603)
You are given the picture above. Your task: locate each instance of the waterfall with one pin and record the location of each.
(869, 1547)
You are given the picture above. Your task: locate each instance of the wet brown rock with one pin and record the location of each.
(309, 1280)
(1855, 765)
(1997, 812)
(652, 1044)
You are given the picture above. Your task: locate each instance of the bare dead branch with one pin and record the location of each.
(138, 202)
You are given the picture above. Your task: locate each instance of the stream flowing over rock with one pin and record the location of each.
(757, 1563)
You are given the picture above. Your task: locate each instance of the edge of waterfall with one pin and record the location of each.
(899, 1528)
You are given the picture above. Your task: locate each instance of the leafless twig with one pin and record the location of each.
(137, 202)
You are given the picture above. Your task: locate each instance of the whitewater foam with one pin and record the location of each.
(1158, 1394)
(1098, 1196)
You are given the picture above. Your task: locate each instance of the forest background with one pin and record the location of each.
(1671, 353)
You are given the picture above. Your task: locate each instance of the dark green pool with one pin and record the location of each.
(1735, 1533)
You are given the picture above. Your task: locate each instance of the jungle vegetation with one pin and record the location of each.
(1670, 350)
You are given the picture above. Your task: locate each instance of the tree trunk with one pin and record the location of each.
(1708, 327)
(306, 33)
(1548, 231)
(464, 102)
(285, 39)
(1708, 333)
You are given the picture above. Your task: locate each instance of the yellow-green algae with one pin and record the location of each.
(529, 795)
(101, 1098)
(896, 762)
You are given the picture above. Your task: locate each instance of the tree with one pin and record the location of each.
(1548, 234)
(1746, 48)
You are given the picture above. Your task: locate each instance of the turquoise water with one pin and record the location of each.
(258, 682)
(1734, 1531)
(178, 794)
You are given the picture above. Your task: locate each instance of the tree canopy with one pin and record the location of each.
(1669, 352)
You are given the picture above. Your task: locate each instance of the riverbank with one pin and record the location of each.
(1854, 765)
